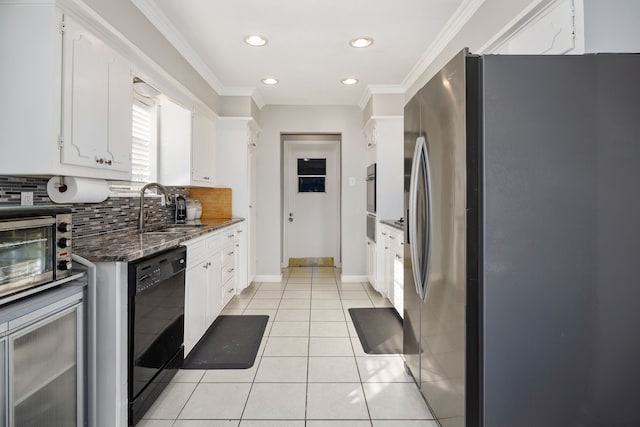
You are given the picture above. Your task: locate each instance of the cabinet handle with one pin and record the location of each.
(230, 271)
(230, 290)
(230, 253)
(398, 257)
(240, 231)
(100, 160)
(392, 237)
(384, 234)
(206, 177)
(386, 247)
(231, 235)
(205, 266)
(109, 162)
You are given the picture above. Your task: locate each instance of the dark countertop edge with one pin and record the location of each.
(167, 242)
(392, 223)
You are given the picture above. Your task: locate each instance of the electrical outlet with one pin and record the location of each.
(26, 198)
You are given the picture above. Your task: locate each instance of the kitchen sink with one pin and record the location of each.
(175, 229)
(179, 229)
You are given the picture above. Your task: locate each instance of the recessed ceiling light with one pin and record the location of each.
(350, 81)
(255, 40)
(361, 42)
(270, 81)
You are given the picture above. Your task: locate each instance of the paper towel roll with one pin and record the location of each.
(79, 190)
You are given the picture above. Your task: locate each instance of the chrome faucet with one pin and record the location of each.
(142, 190)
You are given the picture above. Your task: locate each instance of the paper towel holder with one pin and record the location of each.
(61, 185)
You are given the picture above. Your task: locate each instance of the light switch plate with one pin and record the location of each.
(26, 198)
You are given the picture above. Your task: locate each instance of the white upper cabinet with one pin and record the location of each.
(174, 144)
(203, 149)
(187, 146)
(98, 94)
(58, 117)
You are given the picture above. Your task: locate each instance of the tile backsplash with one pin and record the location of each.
(115, 213)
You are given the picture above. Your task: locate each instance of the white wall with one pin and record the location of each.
(344, 120)
(611, 25)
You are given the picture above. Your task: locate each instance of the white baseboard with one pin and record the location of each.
(269, 279)
(353, 278)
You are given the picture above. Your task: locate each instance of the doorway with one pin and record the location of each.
(311, 200)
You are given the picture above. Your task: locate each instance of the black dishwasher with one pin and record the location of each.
(155, 326)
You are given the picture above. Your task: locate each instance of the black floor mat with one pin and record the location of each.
(231, 342)
(379, 329)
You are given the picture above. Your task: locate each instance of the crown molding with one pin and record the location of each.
(371, 90)
(364, 99)
(450, 29)
(533, 10)
(167, 29)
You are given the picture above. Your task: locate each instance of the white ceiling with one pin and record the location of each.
(308, 49)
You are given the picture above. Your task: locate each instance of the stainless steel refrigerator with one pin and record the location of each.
(522, 254)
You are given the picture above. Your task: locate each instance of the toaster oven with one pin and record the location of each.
(35, 247)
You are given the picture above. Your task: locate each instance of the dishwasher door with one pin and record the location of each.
(156, 327)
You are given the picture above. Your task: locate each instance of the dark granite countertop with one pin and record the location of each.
(393, 223)
(129, 245)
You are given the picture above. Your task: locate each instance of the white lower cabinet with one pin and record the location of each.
(371, 263)
(241, 258)
(210, 280)
(391, 265)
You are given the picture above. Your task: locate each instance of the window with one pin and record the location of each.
(312, 174)
(143, 147)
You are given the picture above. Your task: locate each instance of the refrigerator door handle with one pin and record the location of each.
(427, 186)
(419, 264)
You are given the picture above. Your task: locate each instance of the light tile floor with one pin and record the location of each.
(310, 370)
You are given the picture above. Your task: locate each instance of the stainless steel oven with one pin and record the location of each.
(35, 248)
(371, 188)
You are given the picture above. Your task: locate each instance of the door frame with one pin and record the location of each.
(311, 139)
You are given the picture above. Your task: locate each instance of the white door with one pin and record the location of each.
(311, 200)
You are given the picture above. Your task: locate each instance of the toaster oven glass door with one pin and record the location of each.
(27, 253)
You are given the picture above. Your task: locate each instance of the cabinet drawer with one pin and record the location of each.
(229, 235)
(228, 291)
(228, 256)
(196, 250)
(214, 243)
(228, 272)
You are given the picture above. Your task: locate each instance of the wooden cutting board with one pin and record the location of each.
(216, 202)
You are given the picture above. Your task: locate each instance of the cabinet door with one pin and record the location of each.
(195, 305)
(97, 102)
(203, 150)
(371, 263)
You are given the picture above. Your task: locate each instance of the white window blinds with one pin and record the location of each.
(143, 149)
